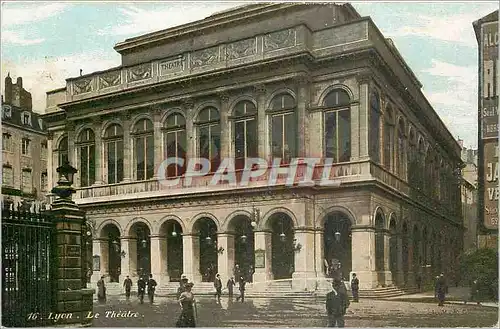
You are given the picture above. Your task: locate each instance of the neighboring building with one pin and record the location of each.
(24, 148)
(469, 196)
(274, 81)
(486, 30)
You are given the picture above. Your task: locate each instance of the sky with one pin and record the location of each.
(47, 42)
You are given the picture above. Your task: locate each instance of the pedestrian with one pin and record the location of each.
(242, 284)
(418, 280)
(230, 284)
(182, 285)
(151, 288)
(188, 308)
(441, 289)
(251, 271)
(355, 288)
(127, 284)
(236, 271)
(474, 292)
(337, 303)
(218, 287)
(436, 280)
(101, 290)
(141, 289)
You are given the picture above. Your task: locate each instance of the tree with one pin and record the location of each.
(482, 265)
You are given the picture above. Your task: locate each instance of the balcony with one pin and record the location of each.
(336, 175)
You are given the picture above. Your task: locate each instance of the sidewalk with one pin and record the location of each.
(456, 295)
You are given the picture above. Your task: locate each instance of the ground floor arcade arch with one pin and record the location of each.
(337, 242)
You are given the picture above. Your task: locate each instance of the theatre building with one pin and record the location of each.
(270, 81)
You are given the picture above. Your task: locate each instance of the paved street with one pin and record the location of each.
(276, 312)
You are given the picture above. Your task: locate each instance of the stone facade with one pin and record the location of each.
(394, 211)
(24, 148)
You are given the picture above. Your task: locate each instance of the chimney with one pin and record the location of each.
(461, 143)
(8, 89)
(19, 82)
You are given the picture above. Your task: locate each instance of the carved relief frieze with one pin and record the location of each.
(139, 72)
(172, 65)
(82, 86)
(205, 57)
(241, 49)
(279, 40)
(259, 89)
(110, 79)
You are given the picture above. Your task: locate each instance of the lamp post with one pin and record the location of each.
(63, 189)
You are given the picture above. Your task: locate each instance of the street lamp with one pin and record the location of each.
(116, 245)
(144, 242)
(337, 236)
(63, 188)
(174, 232)
(243, 238)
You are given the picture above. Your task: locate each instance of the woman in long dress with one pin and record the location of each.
(101, 290)
(187, 302)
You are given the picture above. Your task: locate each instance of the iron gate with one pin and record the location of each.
(28, 264)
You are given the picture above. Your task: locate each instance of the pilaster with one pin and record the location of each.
(104, 263)
(99, 152)
(387, 254)
(157, 139)
(125, 259)
(303, 96)
(319, 253)
(127, 148)
(263, 245)
(225, 127)
(191, 257)
(188, 106)
(226, 260)
(363, 256)
(96, 251)
(400, 269)
(362, 118)
(304, 276)
(159, 259)
(262, 139)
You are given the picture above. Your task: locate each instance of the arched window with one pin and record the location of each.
(175, 143)
(144, 149)
(86, 149)
(375, 127)
(113, 147)
(388, 137)
(337, 126)
(283, 127)
(245, 132)
(208, 123)
(62, 151)
(401, 155)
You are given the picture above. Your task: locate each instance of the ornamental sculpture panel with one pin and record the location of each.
(280, 39)
(82, 86)
(240, 49)
(205, 57)
(139, 72)
(109, 79)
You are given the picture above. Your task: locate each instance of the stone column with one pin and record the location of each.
(319, 253)
(125, 259)
(411, 261)
(132, 255)
(363, 256)
(400, 270)
(188, 106)
(361, 132)
(262, 244)
(225, 127)
(387, 259)
(303, 96)
(158, 140)
(304, 276)
(104, 246)
(159, 259)
(96, 251)
(72, 296)
(225, 261)
(127, 148)
(262, 134)
(99, 153)
(191, 256)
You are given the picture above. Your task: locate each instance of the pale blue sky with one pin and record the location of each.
(46, 43)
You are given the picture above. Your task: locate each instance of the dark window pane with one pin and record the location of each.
(251, 138)
(290, 147)
(214, 114)
(150, 148)
(387, 145)
(239, 142)
(344, 135)
(204, 142)
(111, 163)
(375, 133)
(140, 155)
(331, 135)
(119, 164)
(204, 115)
(84, 166)
(63, 145)
(277, 136)
(181, 151)
(215, 147)
(91, 164)
(337, 97)
(288, 101)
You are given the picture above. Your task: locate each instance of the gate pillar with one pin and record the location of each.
(74, 300)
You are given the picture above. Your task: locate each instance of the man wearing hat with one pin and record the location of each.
(355, 288)
(337, 303)
(182, 285)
